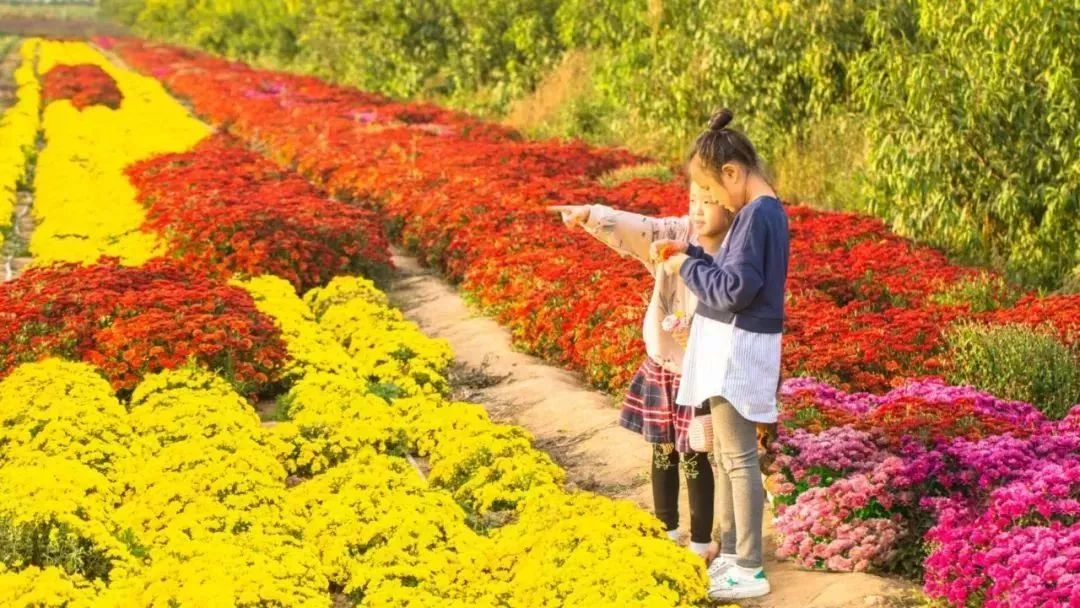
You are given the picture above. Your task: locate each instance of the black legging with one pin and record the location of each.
(700, 486)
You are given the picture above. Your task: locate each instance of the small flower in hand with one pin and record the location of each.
(672, 321)
(674, 263)
(662, 250)
(678, 326)
(681, 335)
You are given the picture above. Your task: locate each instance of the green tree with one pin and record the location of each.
(975, 130)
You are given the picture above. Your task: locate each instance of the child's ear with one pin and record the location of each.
(731, 172)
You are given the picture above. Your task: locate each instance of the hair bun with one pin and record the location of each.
(720, 119)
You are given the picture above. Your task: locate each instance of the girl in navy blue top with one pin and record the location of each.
(732, 360)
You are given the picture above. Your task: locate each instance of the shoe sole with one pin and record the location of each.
(743, 593)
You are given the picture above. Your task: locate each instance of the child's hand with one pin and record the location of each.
(572, 215)
(674, 263)
(663, 249)
(713, 552)
(681, 335)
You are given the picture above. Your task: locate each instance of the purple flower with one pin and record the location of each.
(1017, 546)
(846, 526)
(1003, 511)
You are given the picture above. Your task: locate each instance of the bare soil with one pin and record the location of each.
(38, 25)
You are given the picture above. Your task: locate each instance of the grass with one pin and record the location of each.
(657, 171)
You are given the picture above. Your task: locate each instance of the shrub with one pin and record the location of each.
(1015, 362)
(982, 292)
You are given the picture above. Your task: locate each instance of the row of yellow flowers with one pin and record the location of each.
(367, 379)
(18, 131)
(179, 500)
(84, 204)
(184, 498)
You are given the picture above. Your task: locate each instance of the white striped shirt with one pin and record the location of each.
(741, 366)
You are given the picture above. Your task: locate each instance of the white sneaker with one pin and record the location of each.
(673, 535)
(738, 583)
(721, 563)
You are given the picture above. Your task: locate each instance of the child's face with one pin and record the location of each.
(729, 191)
(708, 216)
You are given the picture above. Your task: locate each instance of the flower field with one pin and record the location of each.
(211, 271)
(469, 198)
(135, 469)
(864, 481)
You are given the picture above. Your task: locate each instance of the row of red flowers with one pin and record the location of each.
(222, 211)
(225, 210)
(135, 321)
(469, 197)
(85, 85)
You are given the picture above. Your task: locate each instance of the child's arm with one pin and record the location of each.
(733, 286)
(629, 233)
(698, 253)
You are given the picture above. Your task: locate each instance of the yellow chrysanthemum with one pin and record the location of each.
(377, 526)
(59, 512)
(201, 462)
(84, 205)
(254, 572)
(49, 587)
(331, 417)
(62, 408)
(587, 550)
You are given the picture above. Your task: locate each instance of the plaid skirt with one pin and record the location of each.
(650, 408)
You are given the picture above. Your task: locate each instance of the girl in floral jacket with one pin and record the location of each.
(649, 407)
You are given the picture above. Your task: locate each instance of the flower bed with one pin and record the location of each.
(189, 497)
(226, 210)
(84, 206)
(134, 321)
(946, 480)
(469, 199)
(136, 472)
(85, 85)
(892, 482)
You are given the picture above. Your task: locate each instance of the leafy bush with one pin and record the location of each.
(397, 48)
(480, 53)
(1015, 362)
(776, 64)
(982, 293)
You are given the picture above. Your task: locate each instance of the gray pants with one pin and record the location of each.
(740, 495)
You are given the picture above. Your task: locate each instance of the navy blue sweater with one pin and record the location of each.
(745, 284)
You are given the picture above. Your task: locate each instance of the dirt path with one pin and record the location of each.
(28, 24)
(577, 426)
(13, 254)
